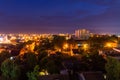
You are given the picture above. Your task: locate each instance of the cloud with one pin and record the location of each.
(55, 15)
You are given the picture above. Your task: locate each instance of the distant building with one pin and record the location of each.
(82, 34)
(67, 36)
(4, 40)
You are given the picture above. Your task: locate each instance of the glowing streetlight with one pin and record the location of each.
(111, 45)
(85, 46)
(65, 46)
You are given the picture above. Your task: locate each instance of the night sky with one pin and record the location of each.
(59, 16)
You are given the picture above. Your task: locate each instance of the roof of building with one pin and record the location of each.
(93, 76)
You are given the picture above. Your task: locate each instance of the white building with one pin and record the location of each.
(4, 40)
(82, 34)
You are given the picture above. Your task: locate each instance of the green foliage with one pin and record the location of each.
(30, 60)
(34, 75)
(113, 69)
(52, 64)
(10, 70)
(44, 45)
(58, 41)
(27, 62)
(52, 68)
(43, 63)
(98, 43)
(49, 65)
(4, 55)
(42, 54)
(42, 59)
(93, 62)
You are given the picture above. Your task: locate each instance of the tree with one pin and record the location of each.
(30, 60)
(41, 55)
(52, 68)
(44, 45)
(43, 62)
(34, 75)
(4, 55)
(10, 70)
(58, 41)
(52, 64)
(93, 62)
(113, 69)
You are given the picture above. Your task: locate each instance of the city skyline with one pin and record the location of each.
(61, 16)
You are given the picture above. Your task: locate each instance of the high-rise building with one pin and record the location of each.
(82, 34)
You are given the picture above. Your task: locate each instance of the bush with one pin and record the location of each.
(10, 70)
(34, 75)
(113, 69)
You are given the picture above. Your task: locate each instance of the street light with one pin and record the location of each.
(65, 46)
(11, 58)
(85, 46)
(111, 45)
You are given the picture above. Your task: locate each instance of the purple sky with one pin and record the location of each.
(59, 16)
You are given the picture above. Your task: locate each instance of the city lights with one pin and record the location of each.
(59, 39)
(65, 46)
(110, 45)
(85, 46)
